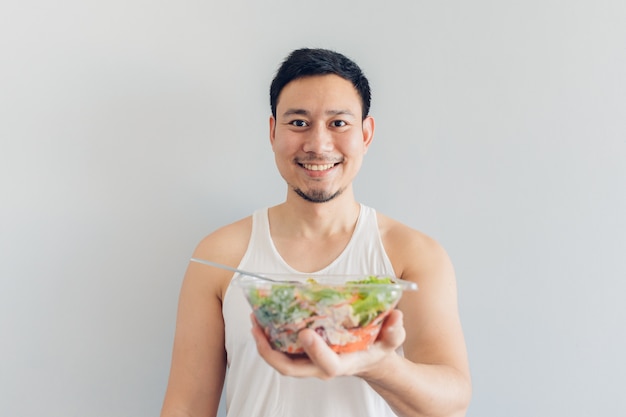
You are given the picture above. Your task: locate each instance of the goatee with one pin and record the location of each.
(317, 196)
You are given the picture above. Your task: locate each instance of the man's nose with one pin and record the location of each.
(319, 140)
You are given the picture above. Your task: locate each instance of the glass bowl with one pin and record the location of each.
(347, 311)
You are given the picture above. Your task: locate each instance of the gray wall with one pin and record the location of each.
(130, 129)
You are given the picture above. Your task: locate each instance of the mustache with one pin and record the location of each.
(318, 159)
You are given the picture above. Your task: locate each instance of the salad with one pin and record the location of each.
(347, 316)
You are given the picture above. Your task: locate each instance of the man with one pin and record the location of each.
(320, 130)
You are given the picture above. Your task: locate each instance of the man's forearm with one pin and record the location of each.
(419, 390)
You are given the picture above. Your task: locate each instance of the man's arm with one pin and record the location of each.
(199, 356)
(198, 359)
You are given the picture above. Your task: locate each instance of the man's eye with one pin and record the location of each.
(298, 123)
(338, 123)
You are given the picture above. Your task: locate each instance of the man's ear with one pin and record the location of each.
(368, 131)
(272, 129)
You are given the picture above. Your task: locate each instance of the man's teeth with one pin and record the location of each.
(318, 167)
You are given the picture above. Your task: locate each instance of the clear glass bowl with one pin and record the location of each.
(346, 310)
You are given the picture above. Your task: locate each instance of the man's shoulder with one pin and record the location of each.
(226, 244)
(233, 230)
(398, 231)
(406, 245)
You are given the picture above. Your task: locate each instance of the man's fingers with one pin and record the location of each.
(320, 353)
(392, 334)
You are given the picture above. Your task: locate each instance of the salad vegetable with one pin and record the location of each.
(347, 316)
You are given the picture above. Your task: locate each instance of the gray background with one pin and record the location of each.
(131, 129)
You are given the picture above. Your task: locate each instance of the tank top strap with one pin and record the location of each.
(365, 253)
(261, 255)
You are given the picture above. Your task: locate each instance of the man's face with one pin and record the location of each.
(319, 137)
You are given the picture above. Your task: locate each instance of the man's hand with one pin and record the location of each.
(322, 362)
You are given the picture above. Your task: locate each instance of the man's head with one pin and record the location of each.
(320, 128)
(310, 62)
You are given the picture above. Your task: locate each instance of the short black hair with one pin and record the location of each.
(308, 62)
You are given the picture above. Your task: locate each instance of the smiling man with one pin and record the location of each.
(320, 130)
(319, 136)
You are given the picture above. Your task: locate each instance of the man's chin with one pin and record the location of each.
(316, 196)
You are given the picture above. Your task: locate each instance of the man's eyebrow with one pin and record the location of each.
(339, 112)
(291, 112)
(303, 112)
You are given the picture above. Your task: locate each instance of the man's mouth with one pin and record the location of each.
(318, 167)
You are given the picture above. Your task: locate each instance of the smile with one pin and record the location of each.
(313, 167)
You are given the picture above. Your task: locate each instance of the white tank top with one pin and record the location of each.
(253, 388)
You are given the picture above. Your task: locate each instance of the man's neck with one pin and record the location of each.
(297, 217)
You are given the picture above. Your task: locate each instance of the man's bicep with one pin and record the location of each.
(431, 315)
(198, 359)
